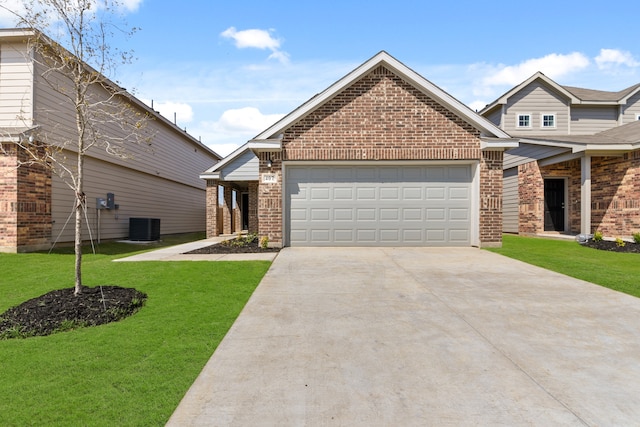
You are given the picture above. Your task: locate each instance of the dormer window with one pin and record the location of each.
(524, 121)
(548, 120)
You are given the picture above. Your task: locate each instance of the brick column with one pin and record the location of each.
(253, 207)
(491, 199)
(227, 210)
(270, 200)
(212, 207)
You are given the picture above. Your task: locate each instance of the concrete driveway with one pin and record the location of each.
(421, 336)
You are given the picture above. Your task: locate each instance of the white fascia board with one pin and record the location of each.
(383, 58)
(210, 175)
(601, 149)
(489, 144)
(260, 146)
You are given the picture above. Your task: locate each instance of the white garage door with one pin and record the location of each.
(378, 205)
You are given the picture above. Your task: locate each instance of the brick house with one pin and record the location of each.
(382, 157)
(159, 180)
(577, 167)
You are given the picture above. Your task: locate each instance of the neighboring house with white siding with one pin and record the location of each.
(577, 167)
(157, 180)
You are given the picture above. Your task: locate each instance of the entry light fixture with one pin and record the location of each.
(269, 162)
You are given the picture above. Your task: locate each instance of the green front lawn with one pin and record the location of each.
(133, 372)
(618, 271)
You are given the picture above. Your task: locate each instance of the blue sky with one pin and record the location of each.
(230, 69)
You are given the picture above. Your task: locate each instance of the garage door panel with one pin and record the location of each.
(320, 214)
(390, 235)
(344, 236)
(320, 236)
(368, 214)
(389, 214)
(459, 214)
(391, 193)
(299, 214)
(435, 193)
(369, 206)
(366, 235)
(343, 193)
(458, 193)
(366, 193)
(320, 193)
(343, 214)
(412, 214)
(412, 193)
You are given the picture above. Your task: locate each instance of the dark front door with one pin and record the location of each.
(554, 205)
(245, 211)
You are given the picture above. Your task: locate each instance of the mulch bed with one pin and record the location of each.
(231, 247)
(61, 310)
(606, 245)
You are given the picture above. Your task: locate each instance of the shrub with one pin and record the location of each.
(636, 237)
(597, 236)
(619, 242)
(264, 242)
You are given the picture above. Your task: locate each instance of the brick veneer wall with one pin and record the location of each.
(615, 195)
(382, 117)
(253, 207)
(531, 194)
(212, 207)
(25, 203)
(491, 198)
(531, 188)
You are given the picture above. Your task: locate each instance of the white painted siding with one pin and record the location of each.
(510, 201)
(632, 109)
(587, 120)
(181, 208)
(16, 83)
(536, 99)
(526, 153)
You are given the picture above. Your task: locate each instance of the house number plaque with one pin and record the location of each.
(269, 178)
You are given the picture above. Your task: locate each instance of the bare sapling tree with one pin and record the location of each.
(77, 66)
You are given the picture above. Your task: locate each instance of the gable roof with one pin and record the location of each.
(575, 94)
(619, 97)
(416, 80)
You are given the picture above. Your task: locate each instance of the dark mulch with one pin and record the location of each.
(606, 245)
(61, 310)
(233, 246)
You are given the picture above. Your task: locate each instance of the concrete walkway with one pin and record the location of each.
(421, 336)
(178, 253)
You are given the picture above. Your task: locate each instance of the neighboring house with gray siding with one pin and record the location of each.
(157, 180)
(578, 161)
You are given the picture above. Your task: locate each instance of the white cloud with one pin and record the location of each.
(247, 119)
(258, 39)
(553, 65)
(131, 5)
(10, 10)
(613, 58)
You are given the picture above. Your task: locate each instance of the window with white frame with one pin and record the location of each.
(548, 120)
(524, 121)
